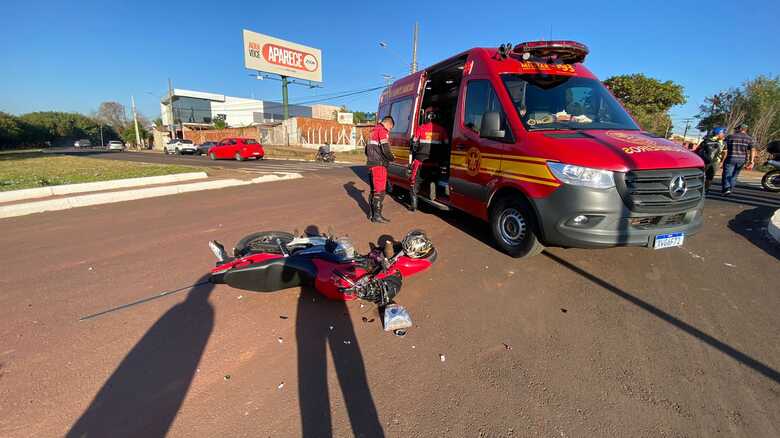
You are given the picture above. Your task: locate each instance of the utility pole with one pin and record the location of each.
(687, 125)
(135, 122)
(171, 121)
(285, 103)
(102, 144)
(414, 47)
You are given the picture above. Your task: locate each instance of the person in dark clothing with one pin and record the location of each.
(739, 154)
(709, 150)
(378, 157)
(430, 135)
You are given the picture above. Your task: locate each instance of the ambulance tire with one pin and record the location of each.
(514, 228)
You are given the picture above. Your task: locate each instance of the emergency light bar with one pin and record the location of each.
(566, 52)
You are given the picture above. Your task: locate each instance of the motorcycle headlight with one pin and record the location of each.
(582, 176)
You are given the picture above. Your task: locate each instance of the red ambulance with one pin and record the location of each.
(542, 151)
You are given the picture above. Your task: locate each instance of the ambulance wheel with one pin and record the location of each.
(514, 228)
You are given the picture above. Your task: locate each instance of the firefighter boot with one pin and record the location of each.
(413, 196)
(378, 216)
(371, 197)
(375, 209)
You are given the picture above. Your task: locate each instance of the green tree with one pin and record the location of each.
(647, 99)
(128, 135)
(11, 130)
(756, 102)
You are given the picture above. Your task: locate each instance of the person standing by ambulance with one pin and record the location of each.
(739, 154)
(378, 157)
(429, 135)
(709, 150)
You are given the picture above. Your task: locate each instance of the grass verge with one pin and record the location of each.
(30, 170)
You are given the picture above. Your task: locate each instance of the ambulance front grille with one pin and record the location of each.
(647, 191)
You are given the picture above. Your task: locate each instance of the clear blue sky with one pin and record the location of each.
(70, 56)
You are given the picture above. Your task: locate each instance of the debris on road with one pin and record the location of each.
(347, 342)
(367, 319)
(507, 346)
(730, 265)
(282, 316)
(280, 386)
(442, 357)
(396, 317)
(227, 377)
(91, 268)
(240, 297)
(563, 310)
(280, 339)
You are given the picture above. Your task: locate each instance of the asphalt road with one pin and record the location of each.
(268, 165)
(624, 342)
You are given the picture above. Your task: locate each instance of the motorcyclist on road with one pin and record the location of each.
(378, 157)
(709, 150)
(429, 135)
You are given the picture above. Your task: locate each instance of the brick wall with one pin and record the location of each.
(218, 134)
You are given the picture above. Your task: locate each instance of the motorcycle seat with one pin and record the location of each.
(273, 275)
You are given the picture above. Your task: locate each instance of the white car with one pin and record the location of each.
(116, 145)
(82, 143)
(180, 146)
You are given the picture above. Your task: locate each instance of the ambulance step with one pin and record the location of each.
(437, 204)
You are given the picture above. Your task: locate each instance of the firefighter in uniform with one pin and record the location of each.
(429, 135)
(378, 157)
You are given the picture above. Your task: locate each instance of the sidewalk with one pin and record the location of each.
(71, 196)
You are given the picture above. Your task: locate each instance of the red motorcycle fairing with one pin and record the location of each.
(265, 272)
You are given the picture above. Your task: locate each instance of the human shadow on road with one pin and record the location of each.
(145, 392)
(323, 324)
(724, 348)
(357, 194)
(751, 224)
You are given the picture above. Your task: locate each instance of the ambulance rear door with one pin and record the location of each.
(405, 100)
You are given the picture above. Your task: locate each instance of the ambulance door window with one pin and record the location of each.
(401, 112)
(481, 98)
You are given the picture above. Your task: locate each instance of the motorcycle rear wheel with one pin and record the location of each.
(771, 181)
(262, 242)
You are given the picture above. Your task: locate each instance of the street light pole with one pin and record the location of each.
(135, 122)
(414, 47)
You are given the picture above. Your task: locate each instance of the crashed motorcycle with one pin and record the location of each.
(271, 261)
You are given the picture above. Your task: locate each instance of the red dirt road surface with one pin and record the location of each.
(623, 342)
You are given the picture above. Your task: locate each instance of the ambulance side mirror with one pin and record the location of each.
(491, 126)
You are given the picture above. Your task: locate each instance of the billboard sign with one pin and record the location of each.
(272, 55)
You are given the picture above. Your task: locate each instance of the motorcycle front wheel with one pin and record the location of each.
(264, 241)
(771, 181)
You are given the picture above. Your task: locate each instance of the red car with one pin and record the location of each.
(238, 148)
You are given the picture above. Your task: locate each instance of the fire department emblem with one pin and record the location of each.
(473, 159)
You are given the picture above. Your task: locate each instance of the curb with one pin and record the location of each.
(773, 227)
(131, 195)
(68, 189)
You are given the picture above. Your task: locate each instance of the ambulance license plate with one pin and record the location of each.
(668, 240)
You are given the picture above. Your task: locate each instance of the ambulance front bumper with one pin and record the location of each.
(580, 217)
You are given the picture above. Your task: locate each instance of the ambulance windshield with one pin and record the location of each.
(552, 102)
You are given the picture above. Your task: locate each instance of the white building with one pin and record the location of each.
(201, 108)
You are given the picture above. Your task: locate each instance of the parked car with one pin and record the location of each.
(203, 148)
(82, 143)
(116, 145)
(237, 148)
(180, 146)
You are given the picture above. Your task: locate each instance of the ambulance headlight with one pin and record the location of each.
(582, 176)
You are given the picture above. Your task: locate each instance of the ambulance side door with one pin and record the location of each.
(475, 160)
